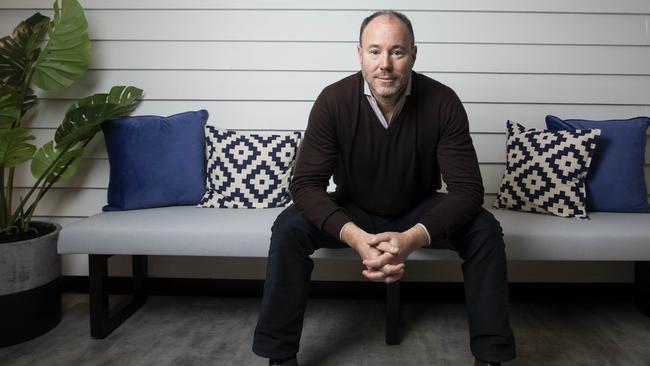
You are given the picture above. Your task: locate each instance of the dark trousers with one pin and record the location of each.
(289, 267)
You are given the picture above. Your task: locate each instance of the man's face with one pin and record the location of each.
(387, 57)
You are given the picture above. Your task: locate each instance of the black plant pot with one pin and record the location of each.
(30, 288)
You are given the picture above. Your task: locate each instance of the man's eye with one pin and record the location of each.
(398, 53)
(374, 52)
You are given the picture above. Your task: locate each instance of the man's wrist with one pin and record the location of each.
(349, 234)
(342, 229)
(426, 232)
(418, 236)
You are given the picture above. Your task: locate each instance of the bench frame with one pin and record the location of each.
(642, 286)
(103, 319)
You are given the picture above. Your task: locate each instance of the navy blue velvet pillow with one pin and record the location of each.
(616, 178)
(156, 161)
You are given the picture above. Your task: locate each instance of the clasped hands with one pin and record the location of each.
(384, 254)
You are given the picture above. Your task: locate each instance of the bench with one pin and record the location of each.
(190, 231)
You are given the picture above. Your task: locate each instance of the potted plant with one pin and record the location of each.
(30, 295)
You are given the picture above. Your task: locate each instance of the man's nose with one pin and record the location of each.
(385, 63)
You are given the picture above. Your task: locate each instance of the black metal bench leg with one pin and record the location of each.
(104, 320)
(392, 313)
(642, 286)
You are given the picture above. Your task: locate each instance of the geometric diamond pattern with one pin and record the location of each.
(546, 171)
(248, 170)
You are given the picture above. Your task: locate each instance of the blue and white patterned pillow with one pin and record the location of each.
(248, 170)
(546, 171)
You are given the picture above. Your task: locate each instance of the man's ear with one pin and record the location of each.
(415, 52)
(359, 51)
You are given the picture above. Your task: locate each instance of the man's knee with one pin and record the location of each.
(485, 235)
(488, 224)
(290, 231)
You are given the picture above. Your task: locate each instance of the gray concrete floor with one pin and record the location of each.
(218, 331)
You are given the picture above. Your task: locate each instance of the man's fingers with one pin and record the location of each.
(379, 238)
(394, 278)
(377, 276)
(391, 269)
(380, 276)
(378, 262)
(387, 247)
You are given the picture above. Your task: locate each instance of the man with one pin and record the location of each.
(386, 134)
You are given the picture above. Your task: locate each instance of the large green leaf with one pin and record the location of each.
(9, 102)
(62, 165)
(13, 147)
(9, 113)
(84, 118)
(19, 51)
(66, 56)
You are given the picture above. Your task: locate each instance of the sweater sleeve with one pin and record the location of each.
(460, 171)
(314, 167)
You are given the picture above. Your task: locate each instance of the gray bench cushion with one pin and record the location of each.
(190, 231)
(178, 230)
(605, 236)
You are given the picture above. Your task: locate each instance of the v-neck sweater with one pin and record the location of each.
(388, 172)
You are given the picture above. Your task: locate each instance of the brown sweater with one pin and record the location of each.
(387, 172)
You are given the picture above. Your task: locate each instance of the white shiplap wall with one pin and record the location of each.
(260, 64)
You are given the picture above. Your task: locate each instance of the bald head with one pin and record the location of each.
(393, 14)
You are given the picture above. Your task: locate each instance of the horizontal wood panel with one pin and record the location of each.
(260, 115)
(281, 85)
(342, 57)
(94, 173)
(69, 202)
(306, 25)
(490, 147)
(493, 117)
(578, 6)
(488, 200)
(75, 202)
(95, 149)
(66, 202)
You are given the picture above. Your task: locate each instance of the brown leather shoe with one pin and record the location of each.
(291, 362)
(478, 362)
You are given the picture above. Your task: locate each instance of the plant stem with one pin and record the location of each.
(47, 185)
(4, 208)
(24, 200)
(10, 192)
(10, 179)
(27, 216)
